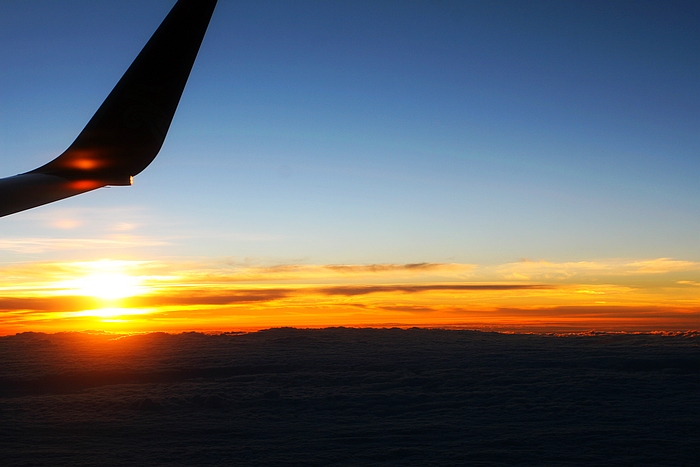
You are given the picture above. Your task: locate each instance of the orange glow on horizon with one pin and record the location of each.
(133, 296)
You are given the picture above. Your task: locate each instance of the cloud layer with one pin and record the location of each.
(219, 295)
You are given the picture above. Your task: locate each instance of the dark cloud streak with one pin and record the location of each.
(351, 290)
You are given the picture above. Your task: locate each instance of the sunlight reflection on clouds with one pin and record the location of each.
(201, 294)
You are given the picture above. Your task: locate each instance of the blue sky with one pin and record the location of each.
(373, 132)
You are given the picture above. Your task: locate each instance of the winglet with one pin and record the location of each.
(128, 130)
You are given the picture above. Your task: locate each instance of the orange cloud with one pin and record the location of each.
(232, 272)
(217, 295)
(408, 289)
(383, 268)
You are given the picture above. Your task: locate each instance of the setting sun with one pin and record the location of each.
(108, 285)
(106, 280)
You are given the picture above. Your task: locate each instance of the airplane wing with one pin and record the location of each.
(129, 128)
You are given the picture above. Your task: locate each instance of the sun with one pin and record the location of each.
(105, 280)
(108, 285)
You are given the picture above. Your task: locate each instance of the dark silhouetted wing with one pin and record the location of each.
(129, 128)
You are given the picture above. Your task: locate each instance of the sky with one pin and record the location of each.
(506, 164)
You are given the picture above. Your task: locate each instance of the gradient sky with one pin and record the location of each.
(530, 143)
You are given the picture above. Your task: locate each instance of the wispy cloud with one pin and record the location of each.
(661, 266)
(232, 271)
(546, 270)
(410, 289)
(48, 304)
(209, 297)
(389, 268)
(42, 245)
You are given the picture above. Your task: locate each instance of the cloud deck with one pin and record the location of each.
(349, 396)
